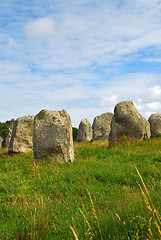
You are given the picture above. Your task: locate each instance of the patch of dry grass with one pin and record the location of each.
(95, 144)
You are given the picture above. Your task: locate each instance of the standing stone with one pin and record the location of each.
(84, 131)
(22, 135)
(102, 127)
(53, 136)
(8, 138)
(1, 142)
(127, 121)
(155, 124)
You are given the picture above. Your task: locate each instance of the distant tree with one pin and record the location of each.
(4, 129)
(75, 131)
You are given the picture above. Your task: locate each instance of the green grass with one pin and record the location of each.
(96, 197)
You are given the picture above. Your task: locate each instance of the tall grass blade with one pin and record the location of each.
(86, 220)
(150, 205)
(95, 215)
(74, 233)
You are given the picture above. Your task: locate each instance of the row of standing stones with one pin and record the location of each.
(49, 133)
(126, 121)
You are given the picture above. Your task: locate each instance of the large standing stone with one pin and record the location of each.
(155, 124)
(84, 131)
(8, 138)
(22, 135)
(53, 136)
(127, 121)
(0, 142)
(102, 126)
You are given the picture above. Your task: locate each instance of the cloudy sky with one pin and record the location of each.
(84, 56)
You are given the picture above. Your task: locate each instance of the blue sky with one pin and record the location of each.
(80, 55)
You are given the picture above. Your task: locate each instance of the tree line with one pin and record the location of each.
(4, 128)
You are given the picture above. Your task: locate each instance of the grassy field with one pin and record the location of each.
(99, 196)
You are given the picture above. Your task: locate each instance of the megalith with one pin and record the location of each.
(8, 138)
(0, 142)
(53, 136)
(127, 121)
(84, 131)
(155, 124)
(22, 135)
(102, 126)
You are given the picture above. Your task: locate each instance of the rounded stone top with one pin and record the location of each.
(44, 114)
(26, 117)
(103, 116)
(155, 124)
(85, 121)
(154, 116)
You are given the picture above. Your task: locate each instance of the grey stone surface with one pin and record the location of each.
(155, 124)
(102, 126)
(8, 138)
(1, 142)
(22, 135)
(53, 136)
(127, 121)
(85, 131)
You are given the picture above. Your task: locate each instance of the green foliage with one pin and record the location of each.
(4, 127)
(158, 135)
(75, 131)
(95, 197)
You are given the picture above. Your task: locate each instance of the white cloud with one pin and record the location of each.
(139, 100)
(148, 114)
(154, 106)
(40, 28)
(84, 56)
(139, 107)
(155, 91)
(157, 60)
(73, 24)
(99, 34)
(80, 99)
(108, 100)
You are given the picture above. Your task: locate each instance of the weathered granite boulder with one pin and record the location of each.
(85, 131)
(102, 126)
(22, 135)
(127, 121)
(53, 136)
(8, 138)
(155, 124)
(1, 142)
